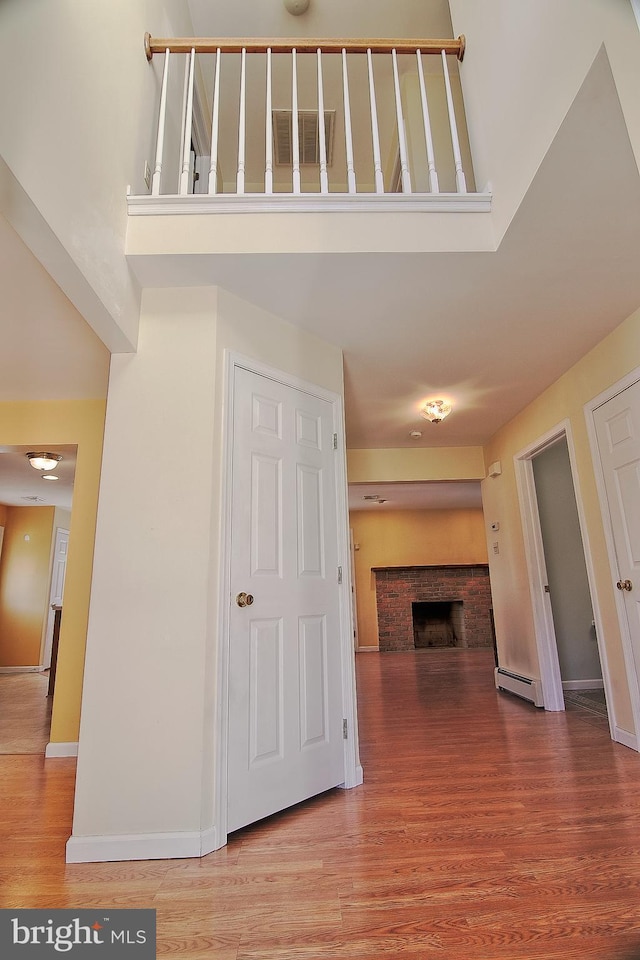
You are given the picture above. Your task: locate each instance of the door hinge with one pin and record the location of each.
(335, 441)
(339, 574)
(345, 730)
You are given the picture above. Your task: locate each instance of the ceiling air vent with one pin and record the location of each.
(308, 139)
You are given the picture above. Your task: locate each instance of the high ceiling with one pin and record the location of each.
(489, 330)
(324, 18)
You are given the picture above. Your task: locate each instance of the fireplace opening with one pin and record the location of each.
(438, 624)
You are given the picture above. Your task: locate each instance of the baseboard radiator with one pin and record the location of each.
(522, 686)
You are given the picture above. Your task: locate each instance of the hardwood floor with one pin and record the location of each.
(485, 830)
(25, 712)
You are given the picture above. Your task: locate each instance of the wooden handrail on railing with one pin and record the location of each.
(390, 127)
(300, 45)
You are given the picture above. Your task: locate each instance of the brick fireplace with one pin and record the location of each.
(404, 593)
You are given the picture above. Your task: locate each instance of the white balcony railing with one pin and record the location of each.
(309, 124)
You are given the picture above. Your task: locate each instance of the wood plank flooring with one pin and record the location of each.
(25, 712)
(485, 830)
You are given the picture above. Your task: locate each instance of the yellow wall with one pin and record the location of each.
(424, 463)
(78, 422)
(617, 355)
(3, 515)
(24, 584)
(405, 538)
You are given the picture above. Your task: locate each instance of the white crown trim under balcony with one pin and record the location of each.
(171, 204)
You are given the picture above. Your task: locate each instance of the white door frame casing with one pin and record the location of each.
(353, 775)
(633, 681)
(546, 643)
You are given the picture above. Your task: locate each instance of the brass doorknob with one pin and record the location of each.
(244, 599)
(624, 585)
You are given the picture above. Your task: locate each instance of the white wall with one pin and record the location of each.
(77, 107)
(523, 67)
(140, 754)
(147, 739)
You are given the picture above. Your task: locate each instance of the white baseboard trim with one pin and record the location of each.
(209, 841)
(368, 650)
(583, 684)
(143, 846)
(625, 738)
(61, 749)
(22, 669)
(358, 779)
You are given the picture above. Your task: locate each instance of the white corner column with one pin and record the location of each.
(139, 790)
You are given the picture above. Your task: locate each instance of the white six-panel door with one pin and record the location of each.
(617, 425)
(285, 737)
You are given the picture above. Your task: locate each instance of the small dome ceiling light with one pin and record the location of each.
(296, 7)
(43, 460)
(49, 476)
(435, 410)
(415, 434)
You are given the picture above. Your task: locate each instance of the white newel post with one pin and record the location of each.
(322, 140)
(402, 144)
(186, 129)
(295, 144)
(241, 124)
(431, 161)
(375, 136)
(268, 166)
(461, 183)
(215, 123)
(351, 173)
(157, 169)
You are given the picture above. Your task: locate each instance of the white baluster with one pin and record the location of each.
(215, 123)
(428, 139)
(351, 173)
(375, 136)
(461, 183)
(295, 144)
(186, 129)
(241, 123)
(322, 140)
(402, 143)
(268, 168)
(157, 169)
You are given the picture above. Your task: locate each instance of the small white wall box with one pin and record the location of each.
(495, 469)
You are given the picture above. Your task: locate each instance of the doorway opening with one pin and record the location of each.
(35, 512)
(570, 660)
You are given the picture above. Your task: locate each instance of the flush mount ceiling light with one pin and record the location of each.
(296, 7)
(49, 476)
(44, 461)
(435, 410)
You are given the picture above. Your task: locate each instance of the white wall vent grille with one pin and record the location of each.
(308, 139)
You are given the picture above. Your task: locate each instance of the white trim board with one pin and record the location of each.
(583, 684)
(38, 669)
(177, 205)
(534, 552)
(142, 846)
(632, 679)
(61, 749)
